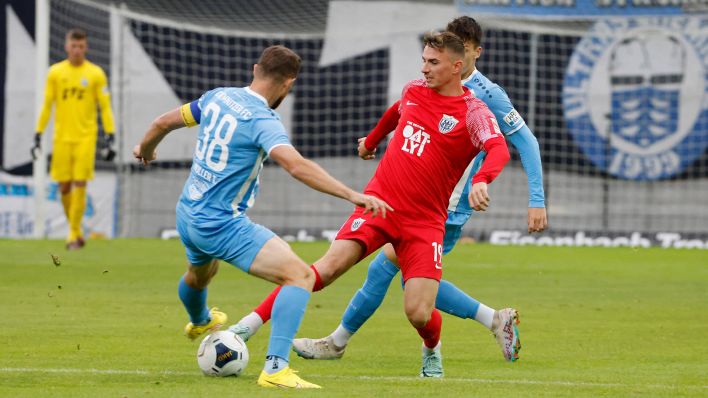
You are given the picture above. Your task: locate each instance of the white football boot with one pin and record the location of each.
(505, 330)
(323, 348)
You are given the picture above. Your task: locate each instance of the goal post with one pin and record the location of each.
(39, 166)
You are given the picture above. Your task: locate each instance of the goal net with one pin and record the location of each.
(621, 151)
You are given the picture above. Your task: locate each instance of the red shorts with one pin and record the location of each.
(418, 246)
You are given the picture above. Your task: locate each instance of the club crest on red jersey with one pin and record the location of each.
(357, 223)
(447, 123)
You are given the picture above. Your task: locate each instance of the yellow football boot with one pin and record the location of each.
(218, 319)
(285, 378)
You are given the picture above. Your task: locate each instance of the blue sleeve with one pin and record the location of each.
(527, 145)
(199, 103)
(499, 103)
(269, 133)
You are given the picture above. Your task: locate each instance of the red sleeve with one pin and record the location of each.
(497, 156)
(386, 124)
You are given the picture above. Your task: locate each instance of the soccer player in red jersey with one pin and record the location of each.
(442, 127)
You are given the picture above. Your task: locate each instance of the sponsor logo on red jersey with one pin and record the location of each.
(415, 138)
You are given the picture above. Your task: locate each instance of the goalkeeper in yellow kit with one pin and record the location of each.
(78, 87)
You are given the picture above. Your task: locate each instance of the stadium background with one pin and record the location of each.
(357, 54)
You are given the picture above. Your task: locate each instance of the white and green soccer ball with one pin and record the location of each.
(222, 354)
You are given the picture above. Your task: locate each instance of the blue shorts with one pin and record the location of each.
(236, 240)
(453, 229)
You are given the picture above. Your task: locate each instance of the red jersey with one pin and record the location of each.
(435, 140)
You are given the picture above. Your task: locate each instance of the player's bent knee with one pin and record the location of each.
(418, 321)
(291, 270)
(199, 277)
(298, 275)
(418, 317)
(310, 278)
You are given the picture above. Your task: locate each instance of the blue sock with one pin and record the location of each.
(369, 297)
(274, 364)
(194, 301)
(455, 302)
(288, 310)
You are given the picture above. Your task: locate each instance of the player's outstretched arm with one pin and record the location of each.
(314, 176)
(527, 145)
(159, 128)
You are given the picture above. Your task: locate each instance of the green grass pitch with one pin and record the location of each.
(107, 322)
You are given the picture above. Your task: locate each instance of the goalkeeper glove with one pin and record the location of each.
(107, 153)
(36, 149)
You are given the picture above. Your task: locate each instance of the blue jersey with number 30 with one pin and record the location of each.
(237, 132)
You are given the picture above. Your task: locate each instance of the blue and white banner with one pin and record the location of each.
(635, 95)
(17, 208)
(574, 9)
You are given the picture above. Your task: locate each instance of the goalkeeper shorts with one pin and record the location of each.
(73, 161)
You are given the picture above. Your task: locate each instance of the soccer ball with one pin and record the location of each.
(222, 354)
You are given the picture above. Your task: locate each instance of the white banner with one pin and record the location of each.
(17, 208)
(666, 240)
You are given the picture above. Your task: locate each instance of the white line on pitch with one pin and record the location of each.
(137, 372)
(141, 372)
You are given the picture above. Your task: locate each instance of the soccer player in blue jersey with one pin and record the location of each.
(239, 129)
(384, 267)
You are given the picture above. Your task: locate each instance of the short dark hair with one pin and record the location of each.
(445, 40)
(279, 63)
(467, 29)
(76, 34)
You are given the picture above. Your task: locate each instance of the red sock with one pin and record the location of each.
(431, 331)
(318, 281)
(266, 306)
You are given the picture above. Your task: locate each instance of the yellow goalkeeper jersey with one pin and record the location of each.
(78, 92)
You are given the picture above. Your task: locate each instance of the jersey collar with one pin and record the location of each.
(470, 76)
(255, 94)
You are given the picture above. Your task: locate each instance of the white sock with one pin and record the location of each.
(341, 336)
(427, 350)
(485, 316)
(253, 321)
